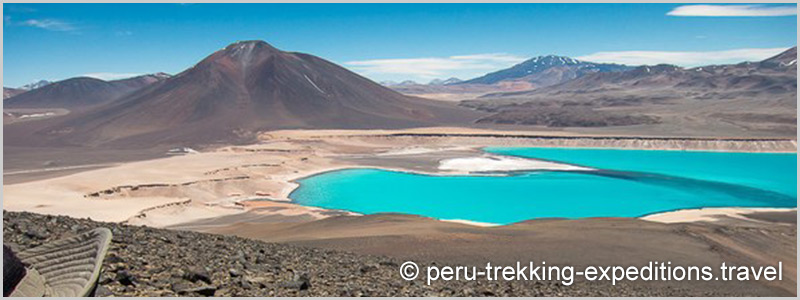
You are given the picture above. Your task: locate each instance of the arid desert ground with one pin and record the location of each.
(244, 191)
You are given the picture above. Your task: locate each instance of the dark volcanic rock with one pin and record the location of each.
(145, 261)
(204, 290)
(196, 274)
(125, 278)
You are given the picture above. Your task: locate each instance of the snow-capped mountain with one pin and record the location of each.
(451, 80)
(35, 85)
(546, 70)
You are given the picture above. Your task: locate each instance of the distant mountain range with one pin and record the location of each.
(537, 72)
(755, 97)
(451, 80)
(547, 70)
(433, 82)
(78, 92)
(35, 85)
(251, 86)
(11, 92)
(230, 96)
(773, 75)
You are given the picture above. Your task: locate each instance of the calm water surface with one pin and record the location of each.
(628, 183)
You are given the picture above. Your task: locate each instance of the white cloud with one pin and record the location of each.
(496, 57)
(111, 76)
(435, 67)
(684, 59)
(733, 11)
(49, 24)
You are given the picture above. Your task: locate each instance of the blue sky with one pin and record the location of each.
(383, 41)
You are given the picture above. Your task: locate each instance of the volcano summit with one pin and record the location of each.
(244, 88)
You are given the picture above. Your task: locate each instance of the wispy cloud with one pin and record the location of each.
(49, 24)
(435, 67)
(685, 59)
(111, 76)
(733, 11)
(19, 9)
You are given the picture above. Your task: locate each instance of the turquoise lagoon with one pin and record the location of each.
(627, 183)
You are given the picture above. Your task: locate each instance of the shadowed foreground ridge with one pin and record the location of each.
(144, 261)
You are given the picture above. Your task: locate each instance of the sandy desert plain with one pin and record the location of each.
(244, 190)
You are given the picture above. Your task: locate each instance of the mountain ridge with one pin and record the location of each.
(744, 99)
(80, 92)
(245, 88)
(665, 74)
(35, 85)
(546, 70)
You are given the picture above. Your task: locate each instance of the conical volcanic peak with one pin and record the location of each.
(248, 87)
(240, 55)
(245, 50)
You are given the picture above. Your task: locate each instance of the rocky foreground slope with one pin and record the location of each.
(145, 261)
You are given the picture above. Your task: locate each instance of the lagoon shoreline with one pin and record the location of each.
(214, 190)
(294, 156)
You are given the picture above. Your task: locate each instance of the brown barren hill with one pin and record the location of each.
(248, 87)
(80, 92)
(745, 100)
(11, 92)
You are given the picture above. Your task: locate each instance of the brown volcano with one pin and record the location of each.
(244, 88)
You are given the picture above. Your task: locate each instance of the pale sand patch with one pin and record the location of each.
(414, 150)
(118, 210)
(178, 214)
(66, 195)
(709, 214)
(497, 163)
